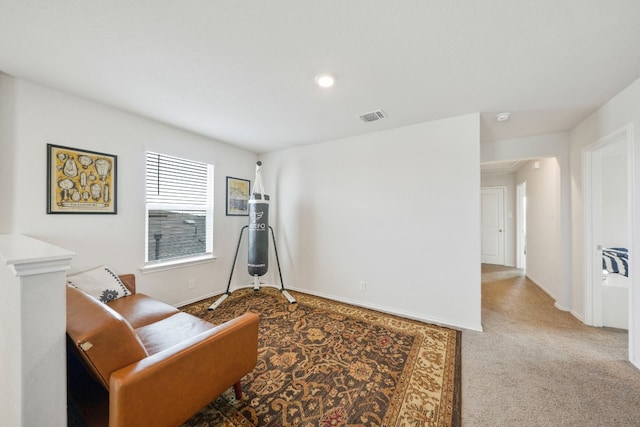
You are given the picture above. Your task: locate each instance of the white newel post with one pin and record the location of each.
(33, 389)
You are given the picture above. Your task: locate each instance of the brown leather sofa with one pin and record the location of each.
(159, 365)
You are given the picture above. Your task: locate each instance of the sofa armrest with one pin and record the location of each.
(169, 387)
(129, 281)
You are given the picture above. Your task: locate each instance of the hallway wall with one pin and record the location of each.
(544, 236)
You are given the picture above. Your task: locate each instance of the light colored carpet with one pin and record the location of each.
(535, 365)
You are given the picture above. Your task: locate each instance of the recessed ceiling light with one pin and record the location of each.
(325, 80)
(503, 117)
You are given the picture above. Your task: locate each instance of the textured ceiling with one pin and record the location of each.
(243, 71)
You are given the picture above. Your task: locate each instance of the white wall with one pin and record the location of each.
(32, 116)
(549, 145)
(615, 232)
(544, 257)
(399, 209)
(621, 111)
(7, 135)
(507, 180)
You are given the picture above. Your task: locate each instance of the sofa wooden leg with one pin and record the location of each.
(237, 387)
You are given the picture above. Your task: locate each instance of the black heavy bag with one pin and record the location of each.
(258, 234)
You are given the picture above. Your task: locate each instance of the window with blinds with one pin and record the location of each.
(179, 208)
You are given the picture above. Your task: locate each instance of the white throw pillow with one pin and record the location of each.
(101, 283)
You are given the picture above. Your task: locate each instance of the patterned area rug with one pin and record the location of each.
(323, 363)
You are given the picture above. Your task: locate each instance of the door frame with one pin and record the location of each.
(521, 223)
(593, 296)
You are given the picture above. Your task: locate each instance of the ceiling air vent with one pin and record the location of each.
(373, 116)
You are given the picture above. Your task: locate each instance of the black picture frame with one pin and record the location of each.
(238, 191)
(81, 181)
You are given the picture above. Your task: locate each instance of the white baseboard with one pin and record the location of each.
(200, 298)
(546, 291)
(399, 313)
(577, 315)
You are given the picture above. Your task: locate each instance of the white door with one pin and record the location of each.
(492, 225)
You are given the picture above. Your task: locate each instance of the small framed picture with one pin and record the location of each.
(238, 196)
(81, 181)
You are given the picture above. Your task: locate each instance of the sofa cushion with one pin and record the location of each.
(173, 330)
(101, 283)
(104, 339)
(141, 310)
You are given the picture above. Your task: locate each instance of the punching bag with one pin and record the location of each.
(258, 263)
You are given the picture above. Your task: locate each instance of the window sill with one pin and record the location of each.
(178, 263)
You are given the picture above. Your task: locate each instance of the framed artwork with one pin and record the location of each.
(238, 196)
(80, 181)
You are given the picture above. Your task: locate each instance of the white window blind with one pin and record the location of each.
(175, 181)
(179, 208)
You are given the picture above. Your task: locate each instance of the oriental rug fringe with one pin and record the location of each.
(324, 363)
